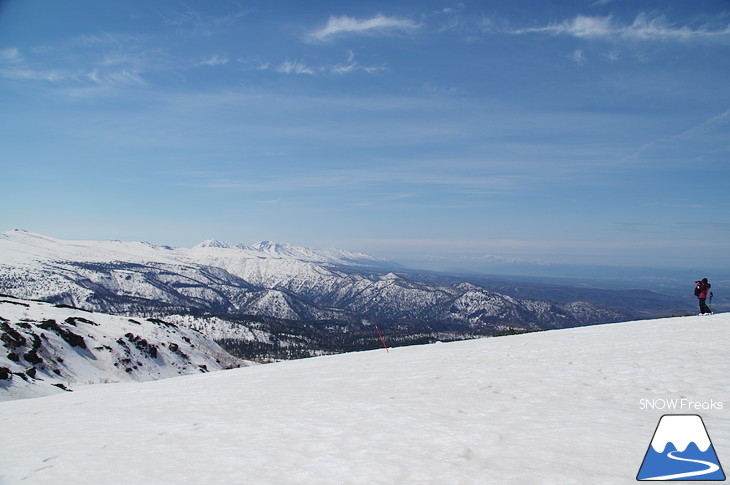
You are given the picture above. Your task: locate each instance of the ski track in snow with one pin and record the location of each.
(556, 407)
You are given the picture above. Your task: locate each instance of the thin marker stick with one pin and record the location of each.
(382, 340)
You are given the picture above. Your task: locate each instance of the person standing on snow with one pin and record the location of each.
(701, 290)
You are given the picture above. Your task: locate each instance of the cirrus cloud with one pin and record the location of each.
(643, 27)
(342, 25)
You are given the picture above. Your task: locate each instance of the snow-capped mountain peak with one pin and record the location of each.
(328, 255)
(213, 243)
(283, 249)
(680, 430)
(288, 251)
(267, 246)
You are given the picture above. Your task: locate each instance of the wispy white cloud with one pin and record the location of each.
(101, 39)
(199, 23)
(643, 27)
(577, 57)
(415, 182)
(710, 124)
(580, 26)
(350, 65)
(343, 25)
(25, 74)
(14, 66)
(84, 63)
(294, 67)
(215, 61)
(459, 20)
(713, 124)
(125, 76)
(613, 55)
(648, 28)
(10, 55)
(93, 77)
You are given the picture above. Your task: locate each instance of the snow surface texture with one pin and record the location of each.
(44, 346)
(556, 407)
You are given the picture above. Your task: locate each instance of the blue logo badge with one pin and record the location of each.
(681, 450)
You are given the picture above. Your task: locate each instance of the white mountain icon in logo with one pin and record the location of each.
(681, 450)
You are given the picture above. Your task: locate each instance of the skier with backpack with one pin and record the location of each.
(701, 290)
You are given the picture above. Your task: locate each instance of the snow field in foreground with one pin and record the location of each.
(556, 407)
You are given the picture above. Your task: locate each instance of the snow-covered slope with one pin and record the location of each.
(270, 280)
(558, 407)
(27, 248)
(45, 348)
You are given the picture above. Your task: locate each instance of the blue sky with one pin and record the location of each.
(590, 132)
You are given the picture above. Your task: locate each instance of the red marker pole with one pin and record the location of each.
(382, 340)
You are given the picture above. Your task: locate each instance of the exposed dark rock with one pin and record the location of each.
(71, 338)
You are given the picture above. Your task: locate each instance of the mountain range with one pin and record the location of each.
(308, 293)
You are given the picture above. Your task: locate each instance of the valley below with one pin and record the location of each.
(275, 301)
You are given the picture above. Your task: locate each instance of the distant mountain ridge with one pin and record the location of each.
(286, 250)
(27, 247)
(265, 280)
